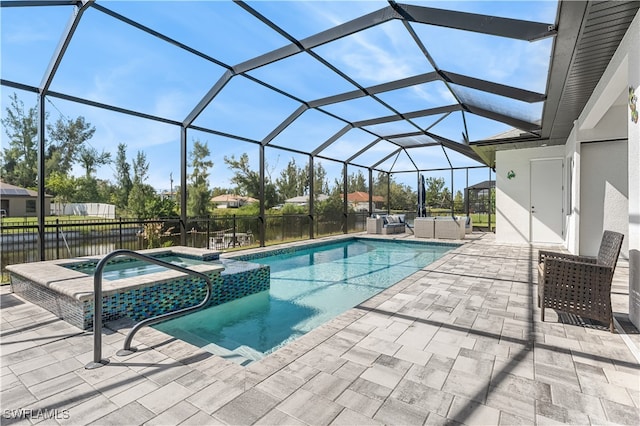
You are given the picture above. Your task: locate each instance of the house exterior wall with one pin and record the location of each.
(632, 46)
(513, 196)
(606, 118)
(586, 200)
(603, 193)
(18, 207)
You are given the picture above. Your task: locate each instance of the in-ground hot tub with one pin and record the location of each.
(132, 288)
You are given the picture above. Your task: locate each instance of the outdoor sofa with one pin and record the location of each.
(386, 224)
(444, 227)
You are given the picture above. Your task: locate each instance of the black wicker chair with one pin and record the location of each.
(580, 285)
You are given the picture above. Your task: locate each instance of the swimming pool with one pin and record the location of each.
(135, 289)
(309, 287)
(127, 267)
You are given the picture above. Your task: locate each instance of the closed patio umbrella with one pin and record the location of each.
(422, 195)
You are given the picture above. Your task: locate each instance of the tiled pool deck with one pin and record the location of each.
(459, 342)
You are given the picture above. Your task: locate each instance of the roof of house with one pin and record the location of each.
(362, 197)
(226, 198)
(8, 190)
(483, 185)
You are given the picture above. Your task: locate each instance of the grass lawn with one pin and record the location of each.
(479, 220)
(12, 225)
(47, 220)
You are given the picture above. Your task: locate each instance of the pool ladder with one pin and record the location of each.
(98, 361)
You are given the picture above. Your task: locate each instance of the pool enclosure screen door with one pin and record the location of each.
(546, 201)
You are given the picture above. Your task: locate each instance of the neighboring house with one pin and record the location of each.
(168, 194)
(359, 201)
(20, 202)
(231, 201)
(303, 200)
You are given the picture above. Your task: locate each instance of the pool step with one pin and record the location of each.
(242, 355)
(249, 353)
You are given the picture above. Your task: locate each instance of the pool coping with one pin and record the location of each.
(78, 285)
(251, 255)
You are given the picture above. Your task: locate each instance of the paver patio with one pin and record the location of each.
(459, 342)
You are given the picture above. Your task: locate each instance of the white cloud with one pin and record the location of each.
(368, 55)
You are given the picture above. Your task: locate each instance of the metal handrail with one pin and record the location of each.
(97, 303)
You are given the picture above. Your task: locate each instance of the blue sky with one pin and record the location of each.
(113, 63)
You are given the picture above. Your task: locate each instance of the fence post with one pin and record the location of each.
(208, 230)
(57, 238)
(120, 232)
(262, 230)
(233, 236)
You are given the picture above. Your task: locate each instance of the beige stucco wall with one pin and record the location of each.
(18, 207)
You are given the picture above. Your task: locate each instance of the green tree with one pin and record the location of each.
(66, 139)
(331, 206)
(138, 200)
(157, 206)
(19, 160)
(247, 181)
(357, 182)
(402, 197)
(87, 190)
(140, 167)
(62, 187)
(458, 202)
(141, 193)
(123, 177)
(433, 191)
(380, 187)
(445, 199)
(293, 209)
(90, 159)
(90, 190)
(198, 192)
(270, 194)
(288, 185)
(294, 181)
(320, 182)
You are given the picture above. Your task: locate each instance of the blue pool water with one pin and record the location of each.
(308, 288)
(133, 268)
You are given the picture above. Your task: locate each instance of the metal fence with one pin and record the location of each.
(74, 238)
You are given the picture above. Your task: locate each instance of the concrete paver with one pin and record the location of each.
(459, 342)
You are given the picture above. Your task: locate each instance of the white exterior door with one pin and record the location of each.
(546, 201)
